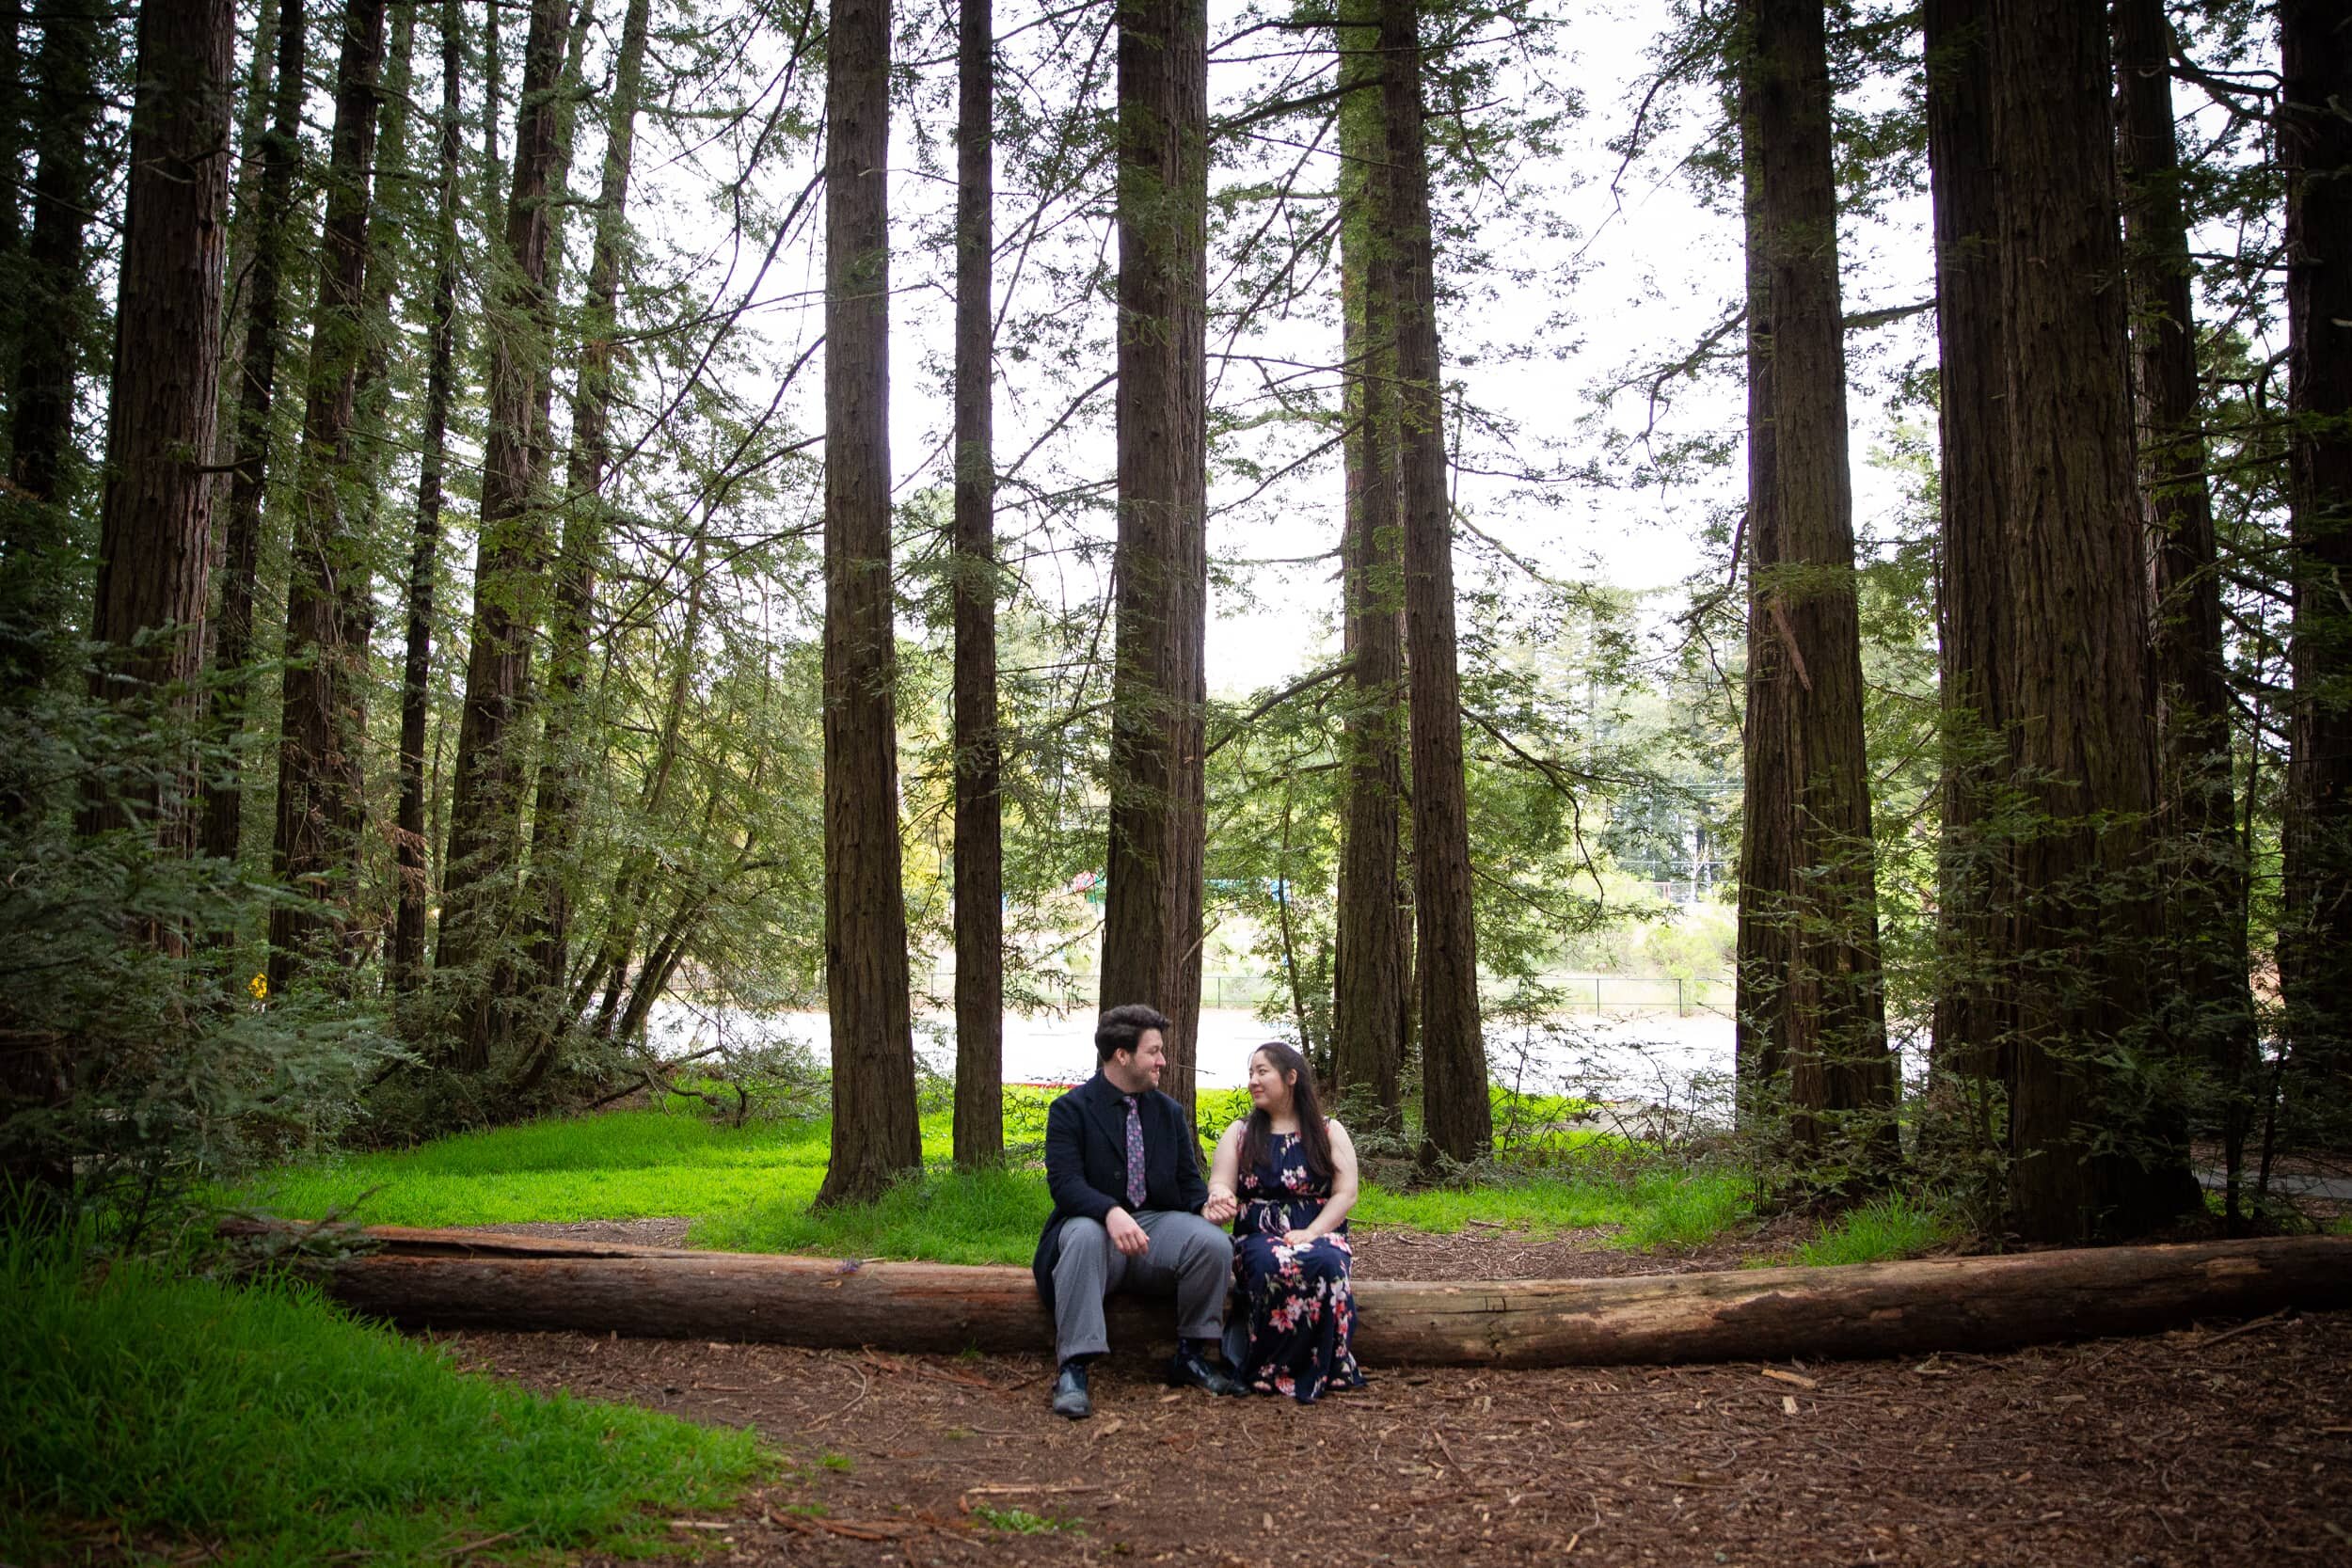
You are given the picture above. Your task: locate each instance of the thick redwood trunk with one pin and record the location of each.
(2205, 871)
(411, 843)
(1370, 1004)
(1971, 1021)
(154, 516)
(446, 1279)
(55, 311)
(2316, 147)
(2080, 928)
(1457, 1120)
(875, 1133)
(1152, 914)
(271, 244)
(979, 880)
(479, 917)
(1833, 1019)
(321, 800)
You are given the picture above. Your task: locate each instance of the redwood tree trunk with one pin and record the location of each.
(2079, 932)
(2205, 871)
(979, 1130)
(154, 513)
(1457, 1120)
(56, 305)
(2316, 147)
(1841, 1079)
(479, 911)
(1370, 1003)
(1971, 1018)
(321, 800)
(271, 241)
(411, 843)
(1151, 915)
(875, 1134)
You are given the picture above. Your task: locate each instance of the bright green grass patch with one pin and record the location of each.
(1880, 1230)
(263, 1420)
(748, 1189)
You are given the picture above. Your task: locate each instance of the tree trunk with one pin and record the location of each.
(479, 908)
(2081, 929)
(155, 516)
(2315, 148)
(411, 841)
(1841, 1078)
(13, 127)
(1971, 1021)
(875, 1133)
(555, 830)
(272, 245)
(2205, 871)
(979, 879)
(465, 1281)
(56, 306)
(1370, 1003)
(1458, 1119)
(1767, 835)
(1151, 913)
(321, 799)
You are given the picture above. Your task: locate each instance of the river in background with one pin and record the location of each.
(1652, 1059)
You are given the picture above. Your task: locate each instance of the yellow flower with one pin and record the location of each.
(259, 985)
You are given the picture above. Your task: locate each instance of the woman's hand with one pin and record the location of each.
(1299, 1238)
(1222, 1206)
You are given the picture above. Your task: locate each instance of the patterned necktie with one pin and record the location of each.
(1135, 1154)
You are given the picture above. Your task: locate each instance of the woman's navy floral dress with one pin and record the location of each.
(1301, 1313)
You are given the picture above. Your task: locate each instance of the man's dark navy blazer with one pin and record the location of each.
(1085, 1161)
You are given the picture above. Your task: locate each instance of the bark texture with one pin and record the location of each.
(1158, 780)
(55, 309)
(444, 1279)
(1971, 1019)
(2316, 147)
(2204, 896)
(1370, 1001)
(979, 879)
(411, 844)
(271, 246)
(875, 1134)
(154, 516)
(321, 796)
(480, 914)
(2080, 926)
(1820, 880)
(1457, 1117)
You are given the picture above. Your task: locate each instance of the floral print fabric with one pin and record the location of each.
(1301, 1311)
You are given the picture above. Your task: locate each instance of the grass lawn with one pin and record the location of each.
(260, 1421)
(748, 1189)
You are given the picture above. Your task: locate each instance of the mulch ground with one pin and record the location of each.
(2219, 1444)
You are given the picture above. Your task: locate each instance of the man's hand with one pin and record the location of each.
(1126, 1235)
(1221, 1206)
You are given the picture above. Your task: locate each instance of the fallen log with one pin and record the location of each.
(448, 1279)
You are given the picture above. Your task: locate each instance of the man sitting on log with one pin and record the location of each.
(1124, 1169)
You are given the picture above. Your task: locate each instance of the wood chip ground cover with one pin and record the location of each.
(2215, 1444)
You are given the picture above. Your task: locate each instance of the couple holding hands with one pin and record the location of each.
(1132, 1212)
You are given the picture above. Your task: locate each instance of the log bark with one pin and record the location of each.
(451, 1279)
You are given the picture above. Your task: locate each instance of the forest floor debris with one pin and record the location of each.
(2215, 1444)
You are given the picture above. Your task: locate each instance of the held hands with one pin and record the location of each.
(1126, 1235)
(1222, 1206)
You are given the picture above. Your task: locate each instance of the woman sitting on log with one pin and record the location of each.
(1286, 1178)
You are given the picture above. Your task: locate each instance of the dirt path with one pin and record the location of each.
(2212, 1446)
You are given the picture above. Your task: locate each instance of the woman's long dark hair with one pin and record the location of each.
(1313, 1135)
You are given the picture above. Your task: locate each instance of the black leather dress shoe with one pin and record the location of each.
(1071, 1398)
(1188, 1367)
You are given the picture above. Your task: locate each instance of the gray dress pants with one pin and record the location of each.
(1189, 1258)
